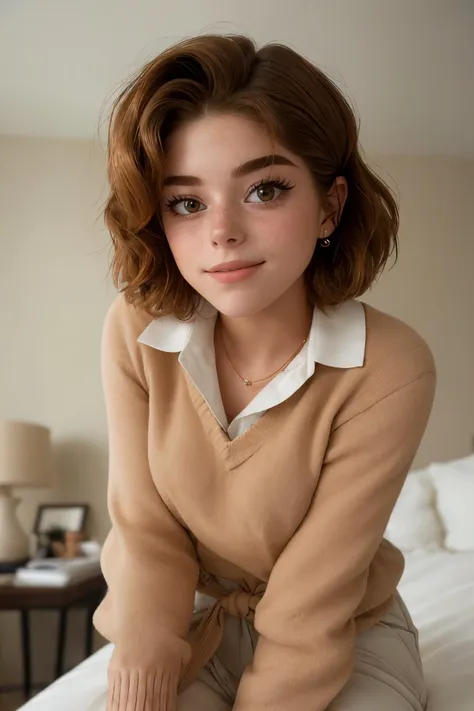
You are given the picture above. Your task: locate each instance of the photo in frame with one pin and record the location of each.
(60, 517)
(59, 530)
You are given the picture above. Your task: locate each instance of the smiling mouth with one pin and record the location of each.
(231, 273)
(233, 267)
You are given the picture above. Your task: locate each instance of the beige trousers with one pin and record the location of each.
(387, 676)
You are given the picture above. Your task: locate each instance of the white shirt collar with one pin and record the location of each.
(336, 339)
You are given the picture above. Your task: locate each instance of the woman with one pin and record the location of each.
(261, 420)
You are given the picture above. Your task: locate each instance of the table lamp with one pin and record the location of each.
(25, 461)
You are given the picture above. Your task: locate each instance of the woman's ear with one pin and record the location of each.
(335, 201)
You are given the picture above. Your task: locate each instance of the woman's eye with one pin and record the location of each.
(265, 193)
(187, 207)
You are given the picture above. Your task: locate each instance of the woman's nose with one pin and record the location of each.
(226, 229)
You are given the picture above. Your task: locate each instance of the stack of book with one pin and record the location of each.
(58, 572)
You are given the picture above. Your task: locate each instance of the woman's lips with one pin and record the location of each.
(232, 274)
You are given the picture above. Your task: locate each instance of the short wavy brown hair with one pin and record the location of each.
(301, 108)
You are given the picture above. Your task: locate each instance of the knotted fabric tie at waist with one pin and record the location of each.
(208, 635)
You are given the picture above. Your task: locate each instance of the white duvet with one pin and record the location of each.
(438, 589)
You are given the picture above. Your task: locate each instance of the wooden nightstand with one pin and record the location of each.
(86, 594)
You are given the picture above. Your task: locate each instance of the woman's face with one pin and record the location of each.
(242, 234)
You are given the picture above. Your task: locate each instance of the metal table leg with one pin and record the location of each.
(89, 630)
(61, 642)
(26, 652)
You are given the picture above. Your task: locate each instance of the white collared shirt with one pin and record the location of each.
(336, 339)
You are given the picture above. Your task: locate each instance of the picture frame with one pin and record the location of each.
(57, 516)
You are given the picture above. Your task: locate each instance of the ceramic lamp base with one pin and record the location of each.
(14, 544)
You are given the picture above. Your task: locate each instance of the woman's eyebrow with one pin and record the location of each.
(249, 167)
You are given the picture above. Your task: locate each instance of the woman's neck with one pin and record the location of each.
(261, 343)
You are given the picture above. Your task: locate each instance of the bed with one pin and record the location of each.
(433, 523)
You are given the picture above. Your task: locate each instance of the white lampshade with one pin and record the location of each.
(25, 454)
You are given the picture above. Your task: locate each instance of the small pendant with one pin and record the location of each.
(247, 382)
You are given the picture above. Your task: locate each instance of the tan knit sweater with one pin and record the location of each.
(294, 509)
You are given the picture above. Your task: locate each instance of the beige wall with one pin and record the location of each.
(54, 293)
(432, 287)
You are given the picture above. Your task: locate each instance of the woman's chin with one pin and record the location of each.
(240, 305)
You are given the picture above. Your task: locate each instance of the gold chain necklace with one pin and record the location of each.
(248, 382)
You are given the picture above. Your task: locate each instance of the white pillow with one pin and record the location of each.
(454, 486)
(414, 523)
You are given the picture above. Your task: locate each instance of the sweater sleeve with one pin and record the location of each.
(305, 652)
(148, 559)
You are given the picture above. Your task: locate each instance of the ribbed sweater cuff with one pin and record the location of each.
(141, 691)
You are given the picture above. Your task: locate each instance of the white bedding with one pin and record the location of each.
(438, 589)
